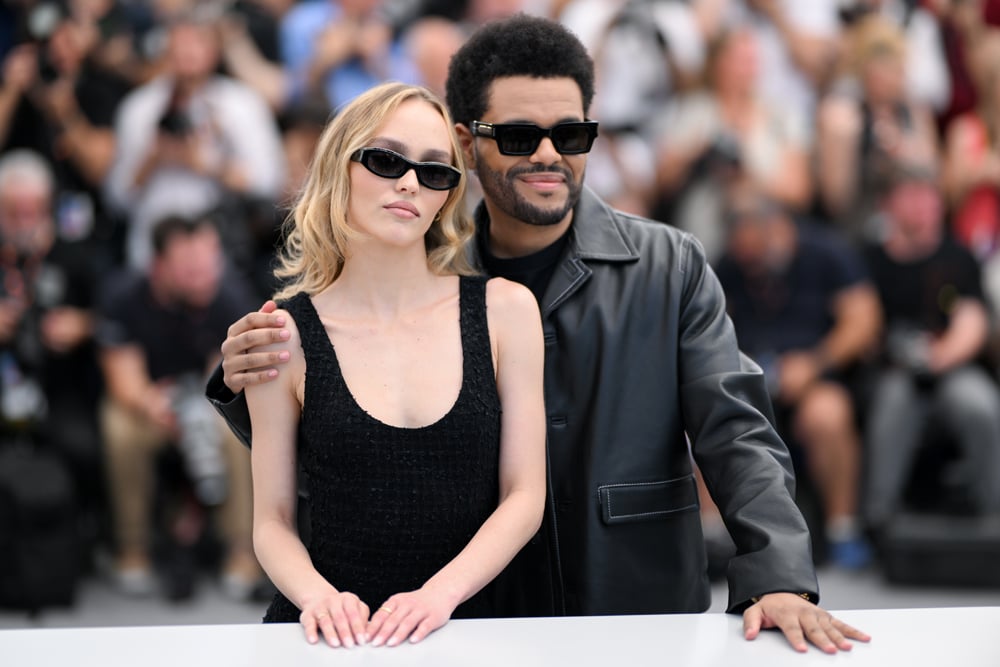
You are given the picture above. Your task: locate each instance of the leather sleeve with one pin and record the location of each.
(232, 407)
(745, 464)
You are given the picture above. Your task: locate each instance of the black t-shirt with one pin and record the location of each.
(921, 294)
(176, 339)
(534, 271)
(791, 310)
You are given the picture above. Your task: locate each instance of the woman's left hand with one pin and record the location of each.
(415, 615)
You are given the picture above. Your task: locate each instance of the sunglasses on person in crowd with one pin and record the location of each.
(570, 138)
(390, 164)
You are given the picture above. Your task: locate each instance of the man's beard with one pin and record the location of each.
(500, 189)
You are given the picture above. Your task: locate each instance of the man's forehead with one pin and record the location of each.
(525, 98)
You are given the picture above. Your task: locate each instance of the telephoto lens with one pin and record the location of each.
(200, 442)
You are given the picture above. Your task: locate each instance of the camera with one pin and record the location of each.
(199, 442)
(723, 157)
(908, 348)
(175, 122)
(852, 11)
(42, 20)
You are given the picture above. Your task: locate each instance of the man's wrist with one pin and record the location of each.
(757, 598)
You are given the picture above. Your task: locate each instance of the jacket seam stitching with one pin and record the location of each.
(611, 513)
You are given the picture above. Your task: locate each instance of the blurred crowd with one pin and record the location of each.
(839, 160)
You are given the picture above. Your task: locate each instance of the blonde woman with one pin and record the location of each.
(414, 403)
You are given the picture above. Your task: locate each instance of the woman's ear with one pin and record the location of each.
(465, 140)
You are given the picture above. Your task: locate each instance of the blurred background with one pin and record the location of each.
(839, 160)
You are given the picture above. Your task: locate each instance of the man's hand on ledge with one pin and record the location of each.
(801, 621)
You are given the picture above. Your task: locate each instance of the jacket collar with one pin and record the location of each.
(596, 234)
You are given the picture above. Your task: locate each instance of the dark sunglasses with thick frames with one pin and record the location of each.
(390, 164)
(570, 138)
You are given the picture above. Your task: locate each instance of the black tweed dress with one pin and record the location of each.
(390, 506)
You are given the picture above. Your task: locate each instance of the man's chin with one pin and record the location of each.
(545, 211)
(539, 217)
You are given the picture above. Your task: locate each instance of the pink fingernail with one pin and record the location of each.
(284, 356)
(284, 334)
(280, 320)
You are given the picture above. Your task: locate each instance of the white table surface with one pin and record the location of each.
(940, 637)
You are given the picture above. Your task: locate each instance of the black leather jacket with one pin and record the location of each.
(640, 359)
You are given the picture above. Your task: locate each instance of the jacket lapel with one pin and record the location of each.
(596, 234)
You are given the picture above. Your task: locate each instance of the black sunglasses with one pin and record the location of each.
(570, 138)
(390, 164)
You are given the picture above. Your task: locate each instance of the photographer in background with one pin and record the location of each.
(48, 377)
(57, 101)
(158, 336)
(191, 140)
(725, 136)
(937, 326)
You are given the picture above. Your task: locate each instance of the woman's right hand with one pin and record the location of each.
(241, 366)
(341, 617)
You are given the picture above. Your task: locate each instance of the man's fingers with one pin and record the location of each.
(255, 361)
(817, 634)
(269, 306)
(836, 636)
(243, 370)
(752, 619)
(257, 320)
(850, 631)
(793, 632)
(242, 343)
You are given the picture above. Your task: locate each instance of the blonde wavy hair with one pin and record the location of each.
(316, 233)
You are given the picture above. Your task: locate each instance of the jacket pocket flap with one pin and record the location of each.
(645, 501)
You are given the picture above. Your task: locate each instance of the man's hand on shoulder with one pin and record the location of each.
(241, 366)
(801, 621)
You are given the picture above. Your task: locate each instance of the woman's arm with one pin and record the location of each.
(839, 128)
(515, 326)
(275, 408)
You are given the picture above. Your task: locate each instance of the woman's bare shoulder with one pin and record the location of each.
(506, 294)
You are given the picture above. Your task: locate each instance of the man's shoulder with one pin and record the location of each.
(122, 291)
(821, 241)
(652, 237)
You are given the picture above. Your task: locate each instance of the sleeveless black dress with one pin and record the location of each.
(391, 506)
